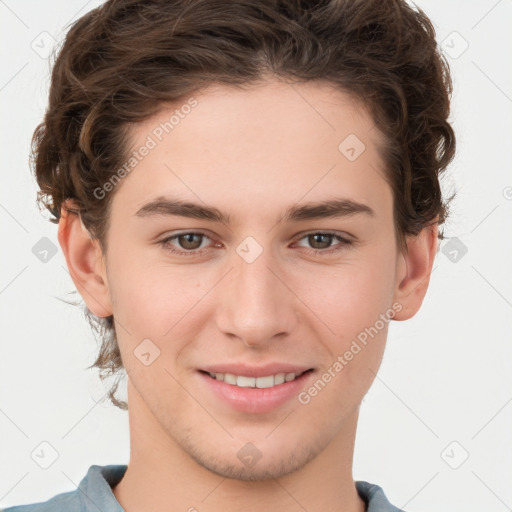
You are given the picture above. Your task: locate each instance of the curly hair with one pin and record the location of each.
(125, 60)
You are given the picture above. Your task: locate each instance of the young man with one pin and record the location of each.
(244, 191)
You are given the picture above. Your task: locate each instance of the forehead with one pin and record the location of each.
(275, 140)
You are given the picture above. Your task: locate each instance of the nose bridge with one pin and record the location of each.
(255, 306)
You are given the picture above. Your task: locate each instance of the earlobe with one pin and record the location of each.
(85, 263)
(413, 271)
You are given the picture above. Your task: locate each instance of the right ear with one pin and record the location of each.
(85, 262)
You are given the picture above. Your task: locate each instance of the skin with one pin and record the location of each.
(251, 153)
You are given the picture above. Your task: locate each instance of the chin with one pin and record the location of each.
(261, 468)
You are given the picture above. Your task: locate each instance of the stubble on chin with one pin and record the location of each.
(268, 467)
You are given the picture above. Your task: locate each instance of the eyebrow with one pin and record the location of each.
(310, 211)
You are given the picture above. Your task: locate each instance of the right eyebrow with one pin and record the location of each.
(166, 206)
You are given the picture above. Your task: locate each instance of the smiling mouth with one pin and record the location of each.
(267, 381)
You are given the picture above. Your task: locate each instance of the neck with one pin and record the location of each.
(161, 475)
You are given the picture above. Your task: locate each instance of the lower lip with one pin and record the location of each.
(256, 400)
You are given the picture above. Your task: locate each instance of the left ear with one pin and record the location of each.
(413, 271)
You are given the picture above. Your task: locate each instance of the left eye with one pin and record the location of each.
(324, 240)
(190, 243)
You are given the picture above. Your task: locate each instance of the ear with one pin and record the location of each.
(85, 262)
(413, 271)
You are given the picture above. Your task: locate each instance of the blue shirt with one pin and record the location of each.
(95, 494)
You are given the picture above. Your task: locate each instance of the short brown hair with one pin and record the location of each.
(121, 62)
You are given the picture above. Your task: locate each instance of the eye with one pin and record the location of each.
(321, 242)
(189, 242)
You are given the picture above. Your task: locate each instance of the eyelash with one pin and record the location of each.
(343, 243)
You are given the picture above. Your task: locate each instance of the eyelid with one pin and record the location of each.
(297, 237)
(175, 235)
(341, 234)
(344, 240)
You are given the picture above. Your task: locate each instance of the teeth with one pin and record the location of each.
(254, 382)
(279, 378)
(229, 378)
(245, 382)
(264, 382)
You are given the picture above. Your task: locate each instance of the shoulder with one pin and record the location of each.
(69, 501)
(94, 491)
(376, 500)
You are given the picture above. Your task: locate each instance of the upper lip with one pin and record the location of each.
(256, 371)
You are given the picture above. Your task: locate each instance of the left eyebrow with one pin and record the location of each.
(327, 209)
(310, 211)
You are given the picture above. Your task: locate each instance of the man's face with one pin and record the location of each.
(249, 296)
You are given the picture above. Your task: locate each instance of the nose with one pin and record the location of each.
(255, 304)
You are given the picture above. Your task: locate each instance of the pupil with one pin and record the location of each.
(189, 240)
(320, 236)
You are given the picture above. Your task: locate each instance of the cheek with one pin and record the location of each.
(148, 294)
(155, 301)
(351, 296)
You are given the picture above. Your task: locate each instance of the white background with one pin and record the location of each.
(446, 374)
